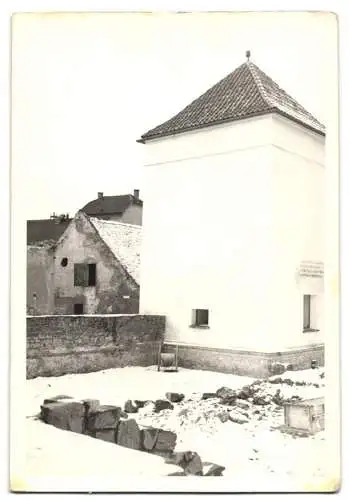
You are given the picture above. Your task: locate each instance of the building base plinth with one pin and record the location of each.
(247, 362)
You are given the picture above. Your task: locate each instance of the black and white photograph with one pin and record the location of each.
(174, 262)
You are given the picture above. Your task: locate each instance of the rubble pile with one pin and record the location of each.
(261, 401)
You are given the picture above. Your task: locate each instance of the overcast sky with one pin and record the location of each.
(86, 86)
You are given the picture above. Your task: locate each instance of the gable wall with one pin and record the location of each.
(115, 292)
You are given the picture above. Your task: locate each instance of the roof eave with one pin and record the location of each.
(300, 122)
(146, 138)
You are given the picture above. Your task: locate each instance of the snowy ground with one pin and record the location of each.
(255, 451)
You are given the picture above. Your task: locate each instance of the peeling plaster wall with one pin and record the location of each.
(39, 280)
(115, 291)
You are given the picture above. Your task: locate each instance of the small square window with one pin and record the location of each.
(200, 317)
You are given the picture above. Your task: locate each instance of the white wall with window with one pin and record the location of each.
(238, 207)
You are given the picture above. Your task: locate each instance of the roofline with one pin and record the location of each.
(128, 274)
(144, 137)
(137, 226)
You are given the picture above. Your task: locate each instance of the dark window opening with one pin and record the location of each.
(306, 312)
(78, 308)
(84, 274)
(92, 275)
(64, 262)
(200, 317)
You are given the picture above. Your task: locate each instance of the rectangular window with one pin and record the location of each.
(200, 317)
(92, 275)
(78, 308)
(306, 312)
(310, 313)
(84, 274)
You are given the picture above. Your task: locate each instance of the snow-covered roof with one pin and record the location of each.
(124, 240)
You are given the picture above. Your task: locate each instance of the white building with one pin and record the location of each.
(233, 227)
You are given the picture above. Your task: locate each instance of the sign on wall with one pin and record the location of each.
(311, 269)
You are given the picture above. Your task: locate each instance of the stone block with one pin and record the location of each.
(162, 404)
(189, 461)
(166, 441)
(227, 396)
(237, 418)
(106, 435)
(129, 434)
(130, 407)
(208, 395)
(193, 466)
(149, 436)
(105, 417)
(66, 416)
(55, 399)
(174, 397)
(91, 405)
(211, 469)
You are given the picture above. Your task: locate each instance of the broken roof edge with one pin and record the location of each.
(91, 220)
(147, 138)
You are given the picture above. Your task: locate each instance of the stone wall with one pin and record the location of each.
(243, 362)
(57, 345)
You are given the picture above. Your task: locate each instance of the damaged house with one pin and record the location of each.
(93, 268)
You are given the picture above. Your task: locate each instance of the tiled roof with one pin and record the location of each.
(124, 240)
(244, 93)
(110, 205)
(45, 230)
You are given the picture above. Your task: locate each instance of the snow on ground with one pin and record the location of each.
(256, 449)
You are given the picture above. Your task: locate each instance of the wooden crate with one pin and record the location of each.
(306, 416)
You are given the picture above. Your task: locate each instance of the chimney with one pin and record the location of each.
(100, 196)
(136, 193)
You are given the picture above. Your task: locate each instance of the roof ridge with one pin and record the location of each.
(114, 222)
(252, 68)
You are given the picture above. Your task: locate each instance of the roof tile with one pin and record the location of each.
(124, 240)
(245, 92)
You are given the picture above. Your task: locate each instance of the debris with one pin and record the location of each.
(245, 405)
(237, 418)
(277, 368)
(210, 469)
(174, 397)
(130, 407)
(258, 400)
(223, 416)
(208, 395)
(162, 404)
